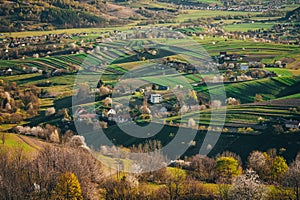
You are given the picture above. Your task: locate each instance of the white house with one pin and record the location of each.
(111, 114)
(155, 98)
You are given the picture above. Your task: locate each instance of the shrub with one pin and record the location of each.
(279, 193)
(245, 130)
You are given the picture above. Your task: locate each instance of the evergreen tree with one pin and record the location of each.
(68, 187)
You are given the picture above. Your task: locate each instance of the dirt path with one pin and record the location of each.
(32, 142)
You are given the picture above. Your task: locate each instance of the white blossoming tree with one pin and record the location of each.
(248, 187)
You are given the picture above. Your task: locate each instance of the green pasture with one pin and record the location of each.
(13, 141)
(196, 14)
(244, 27)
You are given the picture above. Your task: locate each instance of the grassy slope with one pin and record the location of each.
(17, 141)
(268, 88)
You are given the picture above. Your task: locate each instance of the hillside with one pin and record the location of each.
(49, 14)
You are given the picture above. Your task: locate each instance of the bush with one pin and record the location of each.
(280, 193)
(245, 130)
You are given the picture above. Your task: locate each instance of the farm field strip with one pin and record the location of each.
(195, 14)
(244, 27)
(168, 81)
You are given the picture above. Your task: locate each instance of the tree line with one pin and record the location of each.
(71, 171)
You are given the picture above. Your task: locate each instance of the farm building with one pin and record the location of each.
(155, 98)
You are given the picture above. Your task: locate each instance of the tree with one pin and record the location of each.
(100, 83)
(258, 98)
(278, 129)
(119, 189)
(232, 155)
(247, 187)
(227, 168)
(191, 123)
(279, 168)
(175, 182)
(3, 138)
(193, 95)
(216, 104)
(272, 168)
(257, 162)
(292, 177)
(232, 101)
(68, 187)
(203, 168)
(53, 161)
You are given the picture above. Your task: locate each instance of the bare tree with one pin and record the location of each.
(203, 168)
(51, 162)
(257, 162)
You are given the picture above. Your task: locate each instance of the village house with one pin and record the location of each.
(155, 98)
(244, 66)
(292, 124)
(122, 118)
(111, 114)
(180, 163)
(7, 72)
(82, 115)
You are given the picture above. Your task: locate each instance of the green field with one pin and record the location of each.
(210, 1)
(280, 71)
(14, 141)
(248, 26)
(196, 14)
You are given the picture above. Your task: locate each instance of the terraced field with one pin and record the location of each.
(245, 91)
(246, 115)
(84, 61)
(280, 71)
